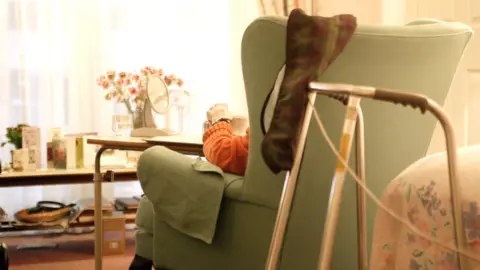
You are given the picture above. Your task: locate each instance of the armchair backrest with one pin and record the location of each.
(422, 58)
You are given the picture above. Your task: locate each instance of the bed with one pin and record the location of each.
(421, 194)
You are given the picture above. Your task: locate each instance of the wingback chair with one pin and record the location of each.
(418, 58)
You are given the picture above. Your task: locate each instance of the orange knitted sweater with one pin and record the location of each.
(225, 150)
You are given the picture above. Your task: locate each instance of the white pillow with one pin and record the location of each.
(272, 100)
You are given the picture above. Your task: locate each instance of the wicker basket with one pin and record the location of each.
(42, 217)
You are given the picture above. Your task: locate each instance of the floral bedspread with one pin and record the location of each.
(421, 195)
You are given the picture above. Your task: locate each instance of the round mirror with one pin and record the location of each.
(157, 94)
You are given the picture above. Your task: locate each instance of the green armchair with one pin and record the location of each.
(419, 58)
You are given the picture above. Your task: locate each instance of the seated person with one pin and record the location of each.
(221, 148)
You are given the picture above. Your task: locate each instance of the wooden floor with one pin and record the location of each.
(74, 252)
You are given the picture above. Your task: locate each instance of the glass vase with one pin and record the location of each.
(122, 124)
(138, 119)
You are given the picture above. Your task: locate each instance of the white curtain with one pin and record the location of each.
(283, 7)
(53, 50)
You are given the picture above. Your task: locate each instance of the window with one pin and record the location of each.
(37, 62)
(28, 18)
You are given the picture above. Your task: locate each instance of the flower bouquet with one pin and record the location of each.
(130, 90)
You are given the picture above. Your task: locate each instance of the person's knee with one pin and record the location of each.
(145, 215)
(148, 161)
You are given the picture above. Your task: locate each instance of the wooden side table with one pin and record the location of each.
(185, 144)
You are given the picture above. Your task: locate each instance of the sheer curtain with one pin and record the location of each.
(283, 7)
(53, 50)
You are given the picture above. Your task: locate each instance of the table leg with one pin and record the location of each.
(97, 181)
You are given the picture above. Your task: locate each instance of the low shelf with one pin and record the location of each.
(46, 177)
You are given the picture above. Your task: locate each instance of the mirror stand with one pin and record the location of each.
(150, 129)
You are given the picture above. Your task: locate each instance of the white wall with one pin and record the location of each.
(243, 13)
(391, 12)
(366, 11)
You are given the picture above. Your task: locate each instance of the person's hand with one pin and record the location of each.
(217, 112)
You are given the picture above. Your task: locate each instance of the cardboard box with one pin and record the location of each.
(64, 156)
(31, 140)
(20, 159)
(84, 152)
(50, 155)
(32, 160)
(114, 236)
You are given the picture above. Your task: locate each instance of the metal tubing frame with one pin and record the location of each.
(289, 186)
(338, 182)
(452, 159)
(455, 194)
(97, 182)
(291, 177)
(362, 255)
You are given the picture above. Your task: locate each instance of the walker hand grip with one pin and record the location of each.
(406, 99)
(343, 98)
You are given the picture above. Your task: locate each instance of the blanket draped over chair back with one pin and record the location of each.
(313, 43)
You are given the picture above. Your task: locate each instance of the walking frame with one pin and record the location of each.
(353, 126)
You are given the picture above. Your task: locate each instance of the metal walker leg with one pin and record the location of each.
(283, 214)
(334, 203)
(353, 110)
(361, 202)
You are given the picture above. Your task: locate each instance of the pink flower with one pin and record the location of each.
(160, 72)
(132, 90)
(111, 75)
(115, 96)
(151, 70)
(122, 75)
(167, 80)
(119, 83)
(105, 85)
(180, 82)
(135, 77)
(127, 82)
(100, 80)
